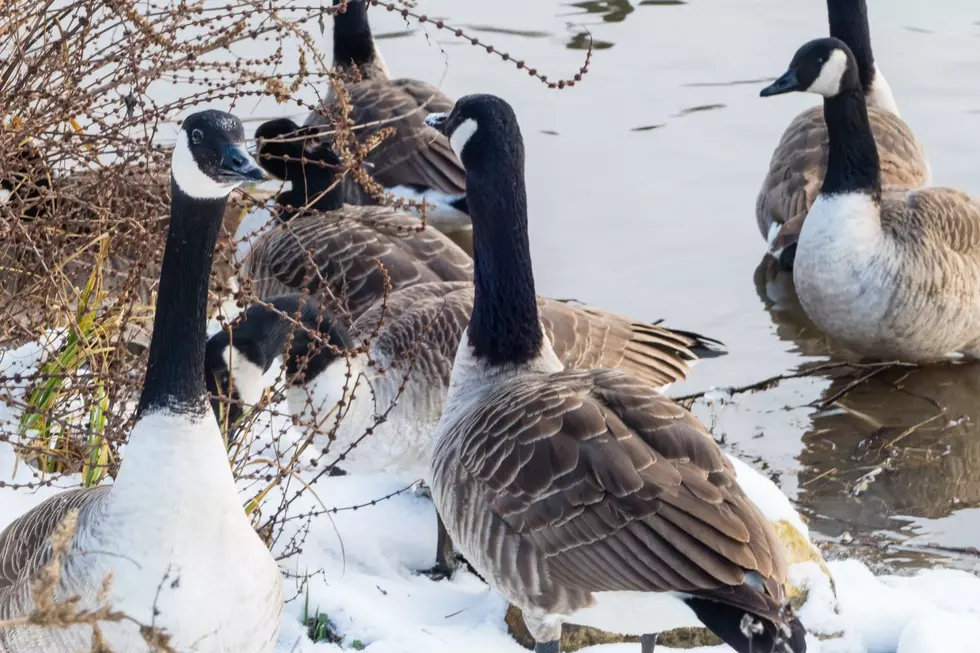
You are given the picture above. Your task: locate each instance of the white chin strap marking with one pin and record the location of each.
(189, 176)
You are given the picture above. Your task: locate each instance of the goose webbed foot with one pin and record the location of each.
(447, 562)
(442, 570)
(548, 647)
(648, 643)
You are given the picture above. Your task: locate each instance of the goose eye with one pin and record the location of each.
(197, 136)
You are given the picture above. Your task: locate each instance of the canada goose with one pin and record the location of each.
(584, 496)
(800, 160)
(893, 274)
(404, 374)
(170, 532)
(422, 328)
(350, 244)
(417, 162)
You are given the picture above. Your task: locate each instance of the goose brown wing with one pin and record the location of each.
(416, 156)
(354, 250)
(419, 326)
(582, 337)
(614, 487)
(943, 217)
(587, 338)
(25, 543)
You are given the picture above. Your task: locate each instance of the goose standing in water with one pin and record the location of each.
(889, 274)
(417, 162)
(584, 496)
(800, 160)
(170, 531)
(349, 243)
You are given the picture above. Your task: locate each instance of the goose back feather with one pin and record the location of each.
(567, 485)
(416, 156)
(432, 317)
(348, 249)
(24, 545)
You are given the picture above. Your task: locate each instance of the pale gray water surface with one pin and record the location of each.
(642, 184)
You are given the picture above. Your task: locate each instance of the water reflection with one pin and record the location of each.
(778, 296)
(888, 451)
(490, 29)
(584, 40)
(612, 11)
(903, 444)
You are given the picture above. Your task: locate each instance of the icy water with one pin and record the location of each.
(642, 184)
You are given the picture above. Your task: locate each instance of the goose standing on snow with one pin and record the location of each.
(584, 496)
(349, 243)
(170, 531)
(800, 160)
(417, 162)
(412, 338)
(896, 274)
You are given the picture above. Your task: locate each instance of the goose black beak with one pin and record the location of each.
(785, 84)
(437, 121)
(237, 165)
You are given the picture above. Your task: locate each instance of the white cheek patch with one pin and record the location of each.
(189, 176)
(4, 196)
(462, 135)
(828, 83)
(246, 376)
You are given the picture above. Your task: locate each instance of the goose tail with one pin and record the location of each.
(703, 346)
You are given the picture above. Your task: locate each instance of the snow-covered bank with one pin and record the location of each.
(358, 566)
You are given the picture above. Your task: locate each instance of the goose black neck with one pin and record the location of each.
(353, 43)
(849, 23)
(504, 327)
(309, 183)
(175, 372)
(853, 158)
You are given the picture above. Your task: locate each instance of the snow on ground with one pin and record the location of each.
(359, 567)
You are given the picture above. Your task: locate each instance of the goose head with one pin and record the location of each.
(291, 153)
(823, 66)
(210, 159)
(481, 129)
(282, 145)
(238, 359)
